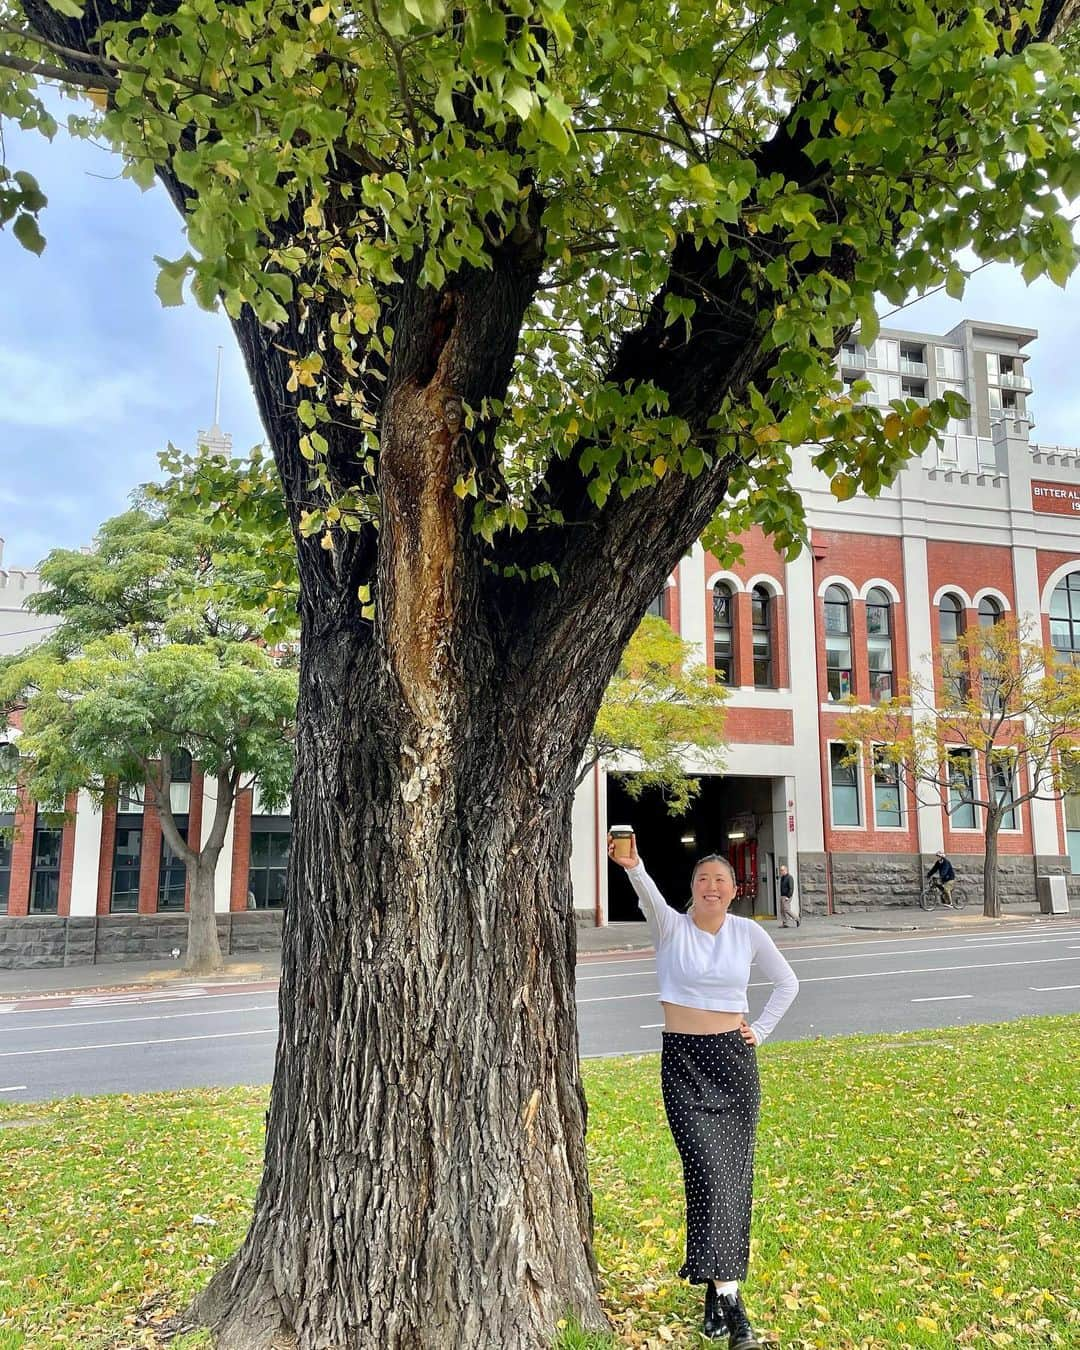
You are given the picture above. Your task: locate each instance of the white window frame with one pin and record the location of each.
(902, 826)
(1017, 809)
(976, 810)
(859, 795)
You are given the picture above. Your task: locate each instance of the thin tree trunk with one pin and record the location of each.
(424, 1182)
(203, 955)
(991, 902)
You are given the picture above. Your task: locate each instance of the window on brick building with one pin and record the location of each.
(761, 608)
(9, 773)
(879, 644)
(45, 876)
(1065, 620)
(950, 630)
(180, 788)
(838, 642)
(7, 826)
(990, 613)
(1003, 786)
(888, 808)
(844, 781)
(656, 607)
(172, 874)
(961, 790)
(723, 609)
(1072, 830)
(127, 856)
(269, 861)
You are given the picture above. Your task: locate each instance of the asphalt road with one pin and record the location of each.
(190, 1036)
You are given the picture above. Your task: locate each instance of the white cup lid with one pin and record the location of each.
(621, 829)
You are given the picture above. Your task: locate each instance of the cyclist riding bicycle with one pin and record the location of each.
(943, 871)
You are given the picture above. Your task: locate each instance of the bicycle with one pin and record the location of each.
(933, 895)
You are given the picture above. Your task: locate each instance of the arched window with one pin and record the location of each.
(1065, 620)
(989, 612)
(950, 631)
(879, 644)
(762, 620)
(9, 773)
(723, 617)
(838, 642)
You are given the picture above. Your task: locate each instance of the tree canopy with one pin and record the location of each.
(663, 706)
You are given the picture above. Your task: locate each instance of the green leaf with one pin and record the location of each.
(27, 233)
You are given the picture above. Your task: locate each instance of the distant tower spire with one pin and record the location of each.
(215, 440)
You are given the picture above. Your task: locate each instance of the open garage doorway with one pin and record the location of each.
(738, 818)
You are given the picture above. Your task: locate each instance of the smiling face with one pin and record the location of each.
(713, 889)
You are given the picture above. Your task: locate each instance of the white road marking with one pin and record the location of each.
(614, 998)
(619, 975)
(129, 1001)
(794, 959)
(124, 1045)
(652, 1026)
(941, 998)
(20, 1088)
(154, 1017)
(925, 970)
(1051, 988)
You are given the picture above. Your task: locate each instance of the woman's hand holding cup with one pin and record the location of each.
(622, 846)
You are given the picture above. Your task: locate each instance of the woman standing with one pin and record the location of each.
(708, 1071)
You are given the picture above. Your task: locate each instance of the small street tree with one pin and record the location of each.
(661, 706)
(161, 651)
(531, 295)
(1000, 730)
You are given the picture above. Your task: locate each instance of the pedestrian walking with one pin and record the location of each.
(789, 908)
(709, 1073)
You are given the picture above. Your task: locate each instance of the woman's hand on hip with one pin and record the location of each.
(746, 1031)
(631, 860)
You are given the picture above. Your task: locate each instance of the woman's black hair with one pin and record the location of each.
(713, 857)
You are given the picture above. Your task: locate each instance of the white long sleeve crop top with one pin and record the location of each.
(697, 969)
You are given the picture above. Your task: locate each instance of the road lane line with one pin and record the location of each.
(20, 1088)
(941, 998)
(1051, 988)
(63, 1006)
(125, 1045)
(154, 1017)
(620, 975)
(919, 970)
(615, 998)
(855, 956)
(652, 1026)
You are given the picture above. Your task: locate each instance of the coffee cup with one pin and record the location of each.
(623, 838)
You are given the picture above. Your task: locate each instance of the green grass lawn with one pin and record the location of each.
(918, 1190)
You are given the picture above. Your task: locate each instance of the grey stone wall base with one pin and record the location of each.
(862, 881)
(41, 940)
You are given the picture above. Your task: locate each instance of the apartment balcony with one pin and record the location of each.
(909, 367)
(1012, 381)
(852, 360)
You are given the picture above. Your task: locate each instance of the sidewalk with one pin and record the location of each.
(591, 942)
(815, 927)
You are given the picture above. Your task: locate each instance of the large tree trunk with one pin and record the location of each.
(424, 1182)
(203, 955)
(991, 902)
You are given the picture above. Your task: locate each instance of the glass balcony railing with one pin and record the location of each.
(909, 367)
(1012, 380)
(852, 359)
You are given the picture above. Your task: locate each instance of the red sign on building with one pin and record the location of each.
(1057, 499)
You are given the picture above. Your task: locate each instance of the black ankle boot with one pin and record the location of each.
(742, 1335)
(714, 1324)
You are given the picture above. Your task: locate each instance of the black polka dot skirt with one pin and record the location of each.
(712, 1097)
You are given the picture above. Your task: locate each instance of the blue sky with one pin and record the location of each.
(96, 377)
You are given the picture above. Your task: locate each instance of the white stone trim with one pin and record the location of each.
(842, 582)
(770, 583)
(1058, 575)
(950, 589)
(994, 594)
(732, 580)
(879, 583)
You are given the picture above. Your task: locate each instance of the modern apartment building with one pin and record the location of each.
(989, 524)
